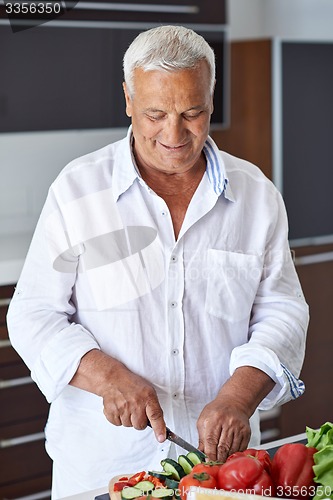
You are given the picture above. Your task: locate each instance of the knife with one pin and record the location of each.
(174, 438)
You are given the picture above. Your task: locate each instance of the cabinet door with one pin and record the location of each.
(146, 11)
(315, 407)
(24, 464)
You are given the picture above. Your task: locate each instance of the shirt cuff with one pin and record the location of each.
(287, 385)
(68, 345)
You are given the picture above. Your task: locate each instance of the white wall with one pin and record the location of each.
(294, 19)
(29, 162)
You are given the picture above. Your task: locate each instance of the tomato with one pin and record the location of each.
(202, 479)
(247, 475)
(212, 468)
(261, 455)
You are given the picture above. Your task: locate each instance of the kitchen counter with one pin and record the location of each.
(270, 447)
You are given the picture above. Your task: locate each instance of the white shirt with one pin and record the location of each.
(104, 271)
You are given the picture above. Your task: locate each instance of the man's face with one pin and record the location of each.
(170, 114)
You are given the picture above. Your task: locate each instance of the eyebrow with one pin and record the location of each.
(156, 110)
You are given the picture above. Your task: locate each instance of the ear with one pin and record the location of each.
(128, 101)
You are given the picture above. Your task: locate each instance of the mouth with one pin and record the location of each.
(172, 148)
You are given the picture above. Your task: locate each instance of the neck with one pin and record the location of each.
(173, 183)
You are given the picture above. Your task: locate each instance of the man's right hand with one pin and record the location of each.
(128, 399)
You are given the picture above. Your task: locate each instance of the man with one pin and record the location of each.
(159, 284)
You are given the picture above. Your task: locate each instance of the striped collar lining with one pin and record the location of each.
(215, 170)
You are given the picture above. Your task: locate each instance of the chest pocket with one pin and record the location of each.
(232, 284)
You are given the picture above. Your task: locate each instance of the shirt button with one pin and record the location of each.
(173, 304)
(164, 213)
(174, 258)
(175, 352)
(174, 396)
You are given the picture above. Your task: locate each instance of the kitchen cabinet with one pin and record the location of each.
(24, 464)
(251, 135)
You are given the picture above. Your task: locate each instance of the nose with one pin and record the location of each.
(174, 132)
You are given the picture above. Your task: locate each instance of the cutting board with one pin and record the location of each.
(116, 495)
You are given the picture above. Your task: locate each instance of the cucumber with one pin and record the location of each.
(130, 492)
(170, 465)
(145, 487)
(185, 463)
(171, 483)
(162, 475)
(162, 493)
(196, 457)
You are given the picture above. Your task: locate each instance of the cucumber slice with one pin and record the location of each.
(130, 492)
(171, 483)
(162, 475)
(170, 465)
(162, 493)
(196, 457)
(145, 487)
(185, 463)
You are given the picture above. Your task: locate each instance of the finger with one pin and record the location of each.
(155, 416)
(225, 445)
(112, 418)
(139, 419)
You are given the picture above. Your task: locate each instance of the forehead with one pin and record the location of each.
(183, 83)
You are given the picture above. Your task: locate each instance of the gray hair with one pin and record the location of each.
(168, 48)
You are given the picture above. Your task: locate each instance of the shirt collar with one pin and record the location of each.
(216, 171)
(126, 172)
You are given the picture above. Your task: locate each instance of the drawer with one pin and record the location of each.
(3, 310)
(11, 365)
(20, 463)
(34, 487)
(6, 291)
(21, 402)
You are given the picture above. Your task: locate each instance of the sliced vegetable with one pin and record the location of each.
(185, 463)
(130, 492)
(136, 478)
(196, 457)
(170, 465)
(161, 474)
(292, 471)
(172, 483)
(162, 493)
(145, 487)
(120, 485)
(247, 475)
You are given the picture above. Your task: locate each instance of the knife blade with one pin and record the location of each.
(174, 438)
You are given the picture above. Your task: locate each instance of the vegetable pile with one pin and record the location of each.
(296, 471)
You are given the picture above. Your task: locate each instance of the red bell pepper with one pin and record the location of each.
(292, 471)
(245, 474)
(261, 455)
(136, 478)
(120, 485)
